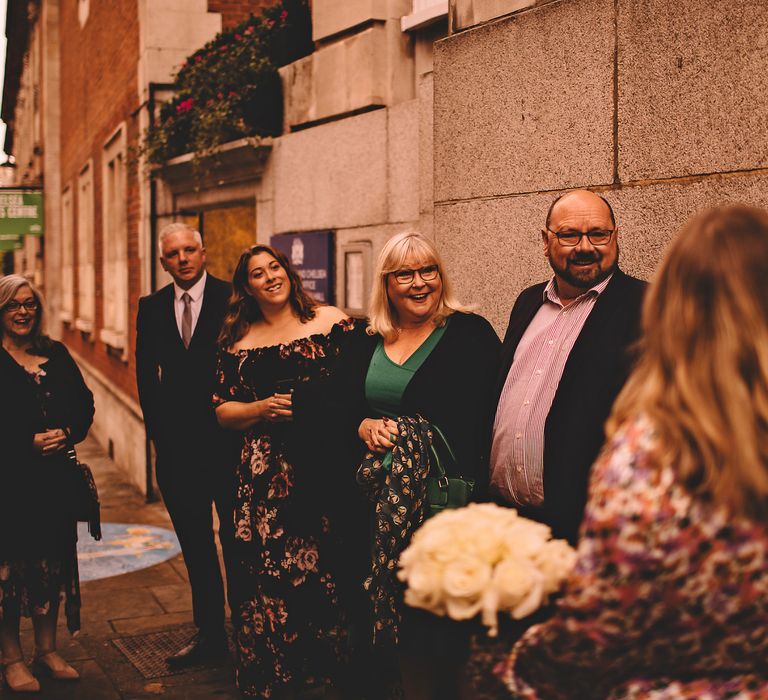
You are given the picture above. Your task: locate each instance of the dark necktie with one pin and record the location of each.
(186, 320)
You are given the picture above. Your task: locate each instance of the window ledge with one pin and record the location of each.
(233, 162)
(115, 339)
(82, 325)
(425, 16)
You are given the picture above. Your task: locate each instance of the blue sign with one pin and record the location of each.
(311, 254)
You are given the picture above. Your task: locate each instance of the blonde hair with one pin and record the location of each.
(702, 378)
(381, 314)
(9, 287)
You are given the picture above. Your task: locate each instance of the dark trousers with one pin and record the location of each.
(190, 489)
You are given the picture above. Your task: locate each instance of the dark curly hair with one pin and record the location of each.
(243, 308)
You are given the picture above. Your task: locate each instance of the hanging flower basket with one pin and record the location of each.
(230, 88)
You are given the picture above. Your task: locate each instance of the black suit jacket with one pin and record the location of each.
(175, 383)
(594, 373)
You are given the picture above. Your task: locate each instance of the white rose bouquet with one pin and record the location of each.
(483, 559)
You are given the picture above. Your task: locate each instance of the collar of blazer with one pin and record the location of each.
(531, 300)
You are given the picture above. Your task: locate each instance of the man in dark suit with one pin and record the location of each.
(566, 355)
(176, 332)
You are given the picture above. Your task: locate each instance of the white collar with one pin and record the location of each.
(195, 291)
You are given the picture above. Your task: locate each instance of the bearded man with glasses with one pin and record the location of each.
(566, 355)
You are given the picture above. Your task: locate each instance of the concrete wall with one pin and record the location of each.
(660, 106)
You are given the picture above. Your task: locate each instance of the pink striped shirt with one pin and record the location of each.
(517, 452)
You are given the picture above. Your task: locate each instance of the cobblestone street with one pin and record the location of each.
(119, 607)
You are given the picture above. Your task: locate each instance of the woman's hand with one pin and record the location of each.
(378, 434)
(50, 442)
(278, 408)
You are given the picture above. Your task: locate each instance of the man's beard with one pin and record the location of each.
(585, 282)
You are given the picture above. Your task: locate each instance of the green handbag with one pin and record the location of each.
(445, 491)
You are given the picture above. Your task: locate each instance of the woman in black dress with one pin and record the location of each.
(276, 338)
(46, 409)
(423, 355)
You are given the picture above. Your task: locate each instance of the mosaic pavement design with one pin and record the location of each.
(124, 547)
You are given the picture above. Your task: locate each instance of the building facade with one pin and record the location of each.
(459, 119)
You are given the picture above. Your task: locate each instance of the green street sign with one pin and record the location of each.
(21, 214)
(9, 241)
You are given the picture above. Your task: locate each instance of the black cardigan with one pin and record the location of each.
(451, 389)
(33, 489)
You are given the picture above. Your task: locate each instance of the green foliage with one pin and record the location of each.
(230, 88)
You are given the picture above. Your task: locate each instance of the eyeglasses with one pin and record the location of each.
(570, 239)
(14, 306)
(427, 274)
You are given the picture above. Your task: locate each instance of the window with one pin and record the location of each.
(86, 273)
(67, 257)
(356, 264)
(115, 243)
(83, 8)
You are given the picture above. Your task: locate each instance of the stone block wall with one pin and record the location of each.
(662, 107)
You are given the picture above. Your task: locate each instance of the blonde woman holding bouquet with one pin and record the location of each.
(669, 597)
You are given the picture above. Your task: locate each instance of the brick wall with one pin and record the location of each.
(235, 11)
(98, 93)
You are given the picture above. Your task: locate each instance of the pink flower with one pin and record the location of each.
(223, 48)
(284, 15)
(198, 58)
(185, 106)
(220, 95)
(270, 23)
(250, 30)
(239, 37)
(232, 94)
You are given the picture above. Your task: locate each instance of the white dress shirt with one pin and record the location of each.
(196, 294)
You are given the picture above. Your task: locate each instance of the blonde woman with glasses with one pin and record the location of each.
(669, 598)
(423, 359)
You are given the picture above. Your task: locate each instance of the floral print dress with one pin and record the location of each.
(669, 598)
(289, 627)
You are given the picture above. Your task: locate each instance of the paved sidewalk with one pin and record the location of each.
(156, 598)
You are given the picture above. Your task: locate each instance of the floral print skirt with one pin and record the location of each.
(31, 587)
(289, 628)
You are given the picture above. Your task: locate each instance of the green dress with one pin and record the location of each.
(387, 381)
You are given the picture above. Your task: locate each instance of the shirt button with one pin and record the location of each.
(519, 469)
(526, 402)
(550, 342)
(519, 435)
(538, 371)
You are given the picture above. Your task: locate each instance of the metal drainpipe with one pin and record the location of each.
(151, 105)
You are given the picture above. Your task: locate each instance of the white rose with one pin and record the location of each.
(555, 561)
(424, 579)
(437, 543)
(520, 586)
(525, 538)
(464, 582)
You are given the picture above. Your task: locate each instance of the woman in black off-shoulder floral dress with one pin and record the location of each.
(289, 627)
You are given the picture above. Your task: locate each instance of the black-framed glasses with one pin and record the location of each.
(29, 305)
(570, 239)
(427, 273)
